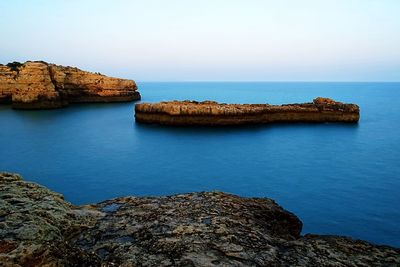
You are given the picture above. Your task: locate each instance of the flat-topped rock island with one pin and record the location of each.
(210, 113)
(41, 85)
(39, 228)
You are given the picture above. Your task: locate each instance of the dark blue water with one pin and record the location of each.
(338, 178)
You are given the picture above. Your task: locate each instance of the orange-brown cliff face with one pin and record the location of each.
(213, 113)
(41, 85)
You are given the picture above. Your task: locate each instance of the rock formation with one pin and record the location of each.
(37, 227)
(212, 113)
(37, 85)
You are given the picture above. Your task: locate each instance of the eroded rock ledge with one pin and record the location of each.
(40, 85)
(37, 227)
(210, 113)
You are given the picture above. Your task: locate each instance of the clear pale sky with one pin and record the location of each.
(238, 40)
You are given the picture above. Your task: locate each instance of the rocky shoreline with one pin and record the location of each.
(40, 85)
(210, 113)
(38, 227)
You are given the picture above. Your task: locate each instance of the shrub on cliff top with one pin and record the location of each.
(14, 65)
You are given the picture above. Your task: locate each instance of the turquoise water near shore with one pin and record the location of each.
(341, 179)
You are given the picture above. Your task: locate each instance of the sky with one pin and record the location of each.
(208, 40)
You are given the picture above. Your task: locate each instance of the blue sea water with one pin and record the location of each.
(341, 179)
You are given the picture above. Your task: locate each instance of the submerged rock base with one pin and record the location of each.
(210, 113)
(40, 85)
(37, 227)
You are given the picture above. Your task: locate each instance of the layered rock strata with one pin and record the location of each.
(37, 85)
(212, 113)
(39, 228)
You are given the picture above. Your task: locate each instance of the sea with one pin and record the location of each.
(338, 178)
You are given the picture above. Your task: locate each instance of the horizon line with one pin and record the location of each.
(259, 81)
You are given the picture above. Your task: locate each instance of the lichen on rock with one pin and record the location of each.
(35, 224)
(39, 228)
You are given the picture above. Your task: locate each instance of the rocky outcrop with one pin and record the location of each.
(35, 225)
(37, 85)
(37, 228)
(212, 113)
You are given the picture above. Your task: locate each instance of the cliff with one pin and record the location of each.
(213, 113)
(37, 227)
(37, 85)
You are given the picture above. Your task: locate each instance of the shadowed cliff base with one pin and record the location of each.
(210, 113)
(198, 229)
(40, 85)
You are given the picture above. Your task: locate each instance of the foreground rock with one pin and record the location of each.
(37, 85)
(212, 113)
(37, 227)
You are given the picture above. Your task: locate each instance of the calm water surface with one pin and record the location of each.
(338, 178)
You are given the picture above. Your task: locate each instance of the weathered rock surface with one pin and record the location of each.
(39, 228)
(36, 85)
(35, 224)
(213, 113)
